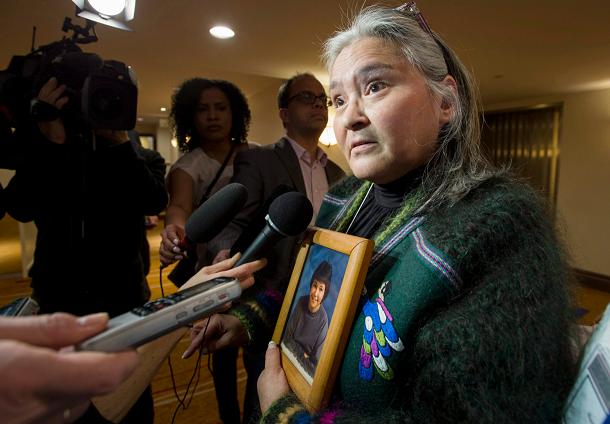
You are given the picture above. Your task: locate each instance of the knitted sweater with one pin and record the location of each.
(468, 318)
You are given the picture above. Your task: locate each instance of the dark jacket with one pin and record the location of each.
(88, 207)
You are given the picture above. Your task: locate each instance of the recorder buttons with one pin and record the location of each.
(181, 315)
(141, 311)
(203, 305)
(223, 296)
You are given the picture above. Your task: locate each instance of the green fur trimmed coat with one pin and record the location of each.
(467, 317)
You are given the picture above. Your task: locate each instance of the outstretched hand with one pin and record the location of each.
(272, 383)
(223, 330)
(244, 273)
(40, 384)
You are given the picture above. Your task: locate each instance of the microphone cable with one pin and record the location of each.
(197, 369)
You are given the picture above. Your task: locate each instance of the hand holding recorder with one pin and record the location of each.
(40, 383)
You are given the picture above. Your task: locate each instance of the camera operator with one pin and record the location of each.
(87, 199)
(87, 191)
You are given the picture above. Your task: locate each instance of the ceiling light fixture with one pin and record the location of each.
(104, 11)
(163, 109)
(222, 32)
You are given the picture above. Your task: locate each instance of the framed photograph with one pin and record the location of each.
(318, 310)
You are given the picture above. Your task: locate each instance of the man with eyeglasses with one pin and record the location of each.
(295, 160)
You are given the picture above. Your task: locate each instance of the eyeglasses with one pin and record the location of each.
(310, 98)
(411, 8)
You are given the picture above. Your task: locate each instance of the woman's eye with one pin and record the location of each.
(375, 87)
(338, 102)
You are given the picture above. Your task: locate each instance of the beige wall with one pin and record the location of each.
(584, 174)
(5, 176)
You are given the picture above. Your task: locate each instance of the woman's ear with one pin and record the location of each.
(447, 107)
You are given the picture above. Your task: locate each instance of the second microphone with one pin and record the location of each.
(289, 215)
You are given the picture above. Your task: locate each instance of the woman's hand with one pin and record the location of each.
(272, 383)
(223, 331)
(40, 384)
(244, 273)
(52, 94)
(222, 255)
(170, 249)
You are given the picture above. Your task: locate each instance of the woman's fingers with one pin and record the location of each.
(272, 383)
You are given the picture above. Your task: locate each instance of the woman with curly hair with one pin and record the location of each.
(210, 120)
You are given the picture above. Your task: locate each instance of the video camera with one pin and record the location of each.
(102, 93)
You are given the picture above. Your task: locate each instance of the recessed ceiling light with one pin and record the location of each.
(163, 109)
(140, 119)
(222, 32)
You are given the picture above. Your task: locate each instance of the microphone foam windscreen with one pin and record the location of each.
(258, 221)
(291, 213)
(216, 213)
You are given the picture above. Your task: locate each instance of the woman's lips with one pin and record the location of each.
(362, 146)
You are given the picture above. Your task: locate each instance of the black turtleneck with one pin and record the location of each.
(381, 203)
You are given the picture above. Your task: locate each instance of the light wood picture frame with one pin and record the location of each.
(350, 257)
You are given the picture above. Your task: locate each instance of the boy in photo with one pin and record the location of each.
(308, 325)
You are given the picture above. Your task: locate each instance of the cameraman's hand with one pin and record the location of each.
(115, 138)
(50, 93)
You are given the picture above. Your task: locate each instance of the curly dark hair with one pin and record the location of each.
(184, 105)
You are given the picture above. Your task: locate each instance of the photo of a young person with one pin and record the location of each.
(312, 308)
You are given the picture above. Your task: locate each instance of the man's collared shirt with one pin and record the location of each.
(314, 175)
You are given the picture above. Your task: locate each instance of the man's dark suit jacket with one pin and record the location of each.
(261, 171)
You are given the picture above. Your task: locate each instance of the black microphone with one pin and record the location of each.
(289, 215)
(258, 222)
(214, 215)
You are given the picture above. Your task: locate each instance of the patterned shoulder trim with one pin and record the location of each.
(437, 261)
(333, 200)
(396, 238)
(346, 204)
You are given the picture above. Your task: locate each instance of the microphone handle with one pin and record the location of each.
(186, 242)
(260, 246)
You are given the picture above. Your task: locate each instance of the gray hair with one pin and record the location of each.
(457, 165)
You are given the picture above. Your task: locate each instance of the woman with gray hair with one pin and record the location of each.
(467, 266)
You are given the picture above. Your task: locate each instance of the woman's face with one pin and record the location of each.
(386, 121)
(213, 118)
(316, 294)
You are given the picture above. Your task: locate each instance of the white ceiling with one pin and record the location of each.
(517, 49)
